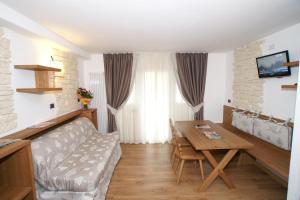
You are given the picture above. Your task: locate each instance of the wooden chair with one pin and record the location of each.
(180, 140)
(184, 153)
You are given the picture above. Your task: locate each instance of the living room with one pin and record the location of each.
(184, 99)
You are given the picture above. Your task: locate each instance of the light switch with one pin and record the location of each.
(52, 106)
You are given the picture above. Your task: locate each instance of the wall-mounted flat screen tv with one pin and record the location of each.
(272, 65)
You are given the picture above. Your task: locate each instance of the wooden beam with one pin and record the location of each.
(37, 90)
(292, 64)
(37, 68)
(289, 86)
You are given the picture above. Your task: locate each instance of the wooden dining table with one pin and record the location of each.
(228, 141)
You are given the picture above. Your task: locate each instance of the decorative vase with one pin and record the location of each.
(85, 102)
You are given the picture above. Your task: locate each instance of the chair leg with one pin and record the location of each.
(201, 169)
(177, 165)
(173, 157)
(174, 160)
(174, 164)
(172, 153)
(180, 171)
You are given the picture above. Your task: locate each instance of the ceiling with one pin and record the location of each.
(160, 25)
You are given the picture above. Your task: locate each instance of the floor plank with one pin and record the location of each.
(144, 173)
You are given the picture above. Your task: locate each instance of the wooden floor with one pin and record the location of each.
(144, 173)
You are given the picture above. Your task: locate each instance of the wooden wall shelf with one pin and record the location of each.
(292, 64)
(288, 86)
(37, 68)
(38, 90)
(42, 79)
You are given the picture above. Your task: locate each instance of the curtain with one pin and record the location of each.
(119, 72)
(191, 77)
(154, 98)
(97, 86)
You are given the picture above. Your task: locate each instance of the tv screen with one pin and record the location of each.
(272, 65)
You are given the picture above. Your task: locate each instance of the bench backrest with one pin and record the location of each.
(227, 116)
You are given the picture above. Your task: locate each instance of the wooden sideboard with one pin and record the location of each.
(16, 172)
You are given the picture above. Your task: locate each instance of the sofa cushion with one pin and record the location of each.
(82, 170)
(52, 148)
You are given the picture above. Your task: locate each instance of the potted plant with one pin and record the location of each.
(85, 97)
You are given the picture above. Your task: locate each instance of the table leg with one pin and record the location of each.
(218, 169)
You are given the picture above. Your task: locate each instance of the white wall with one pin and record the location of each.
(32, 43)
(277, 102)
(30, 108)
(215, 87)
(229, 77)
(93, 64)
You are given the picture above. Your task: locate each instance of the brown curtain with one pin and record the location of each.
(191, 69)
(118, 74)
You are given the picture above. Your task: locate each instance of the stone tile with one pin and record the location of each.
(247, 87)
(8, 119)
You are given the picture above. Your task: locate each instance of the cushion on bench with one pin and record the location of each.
(243, 122)
(274, 133)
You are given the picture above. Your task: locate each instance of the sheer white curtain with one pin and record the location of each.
(154, 98)
(97, 86)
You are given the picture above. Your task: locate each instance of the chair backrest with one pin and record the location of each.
(175, 137)
(173, 130)
(177, 144)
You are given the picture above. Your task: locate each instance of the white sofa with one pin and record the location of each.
(75, 162)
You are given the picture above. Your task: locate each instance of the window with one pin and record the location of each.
(178, 96)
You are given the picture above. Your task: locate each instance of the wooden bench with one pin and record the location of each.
(272, 159)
